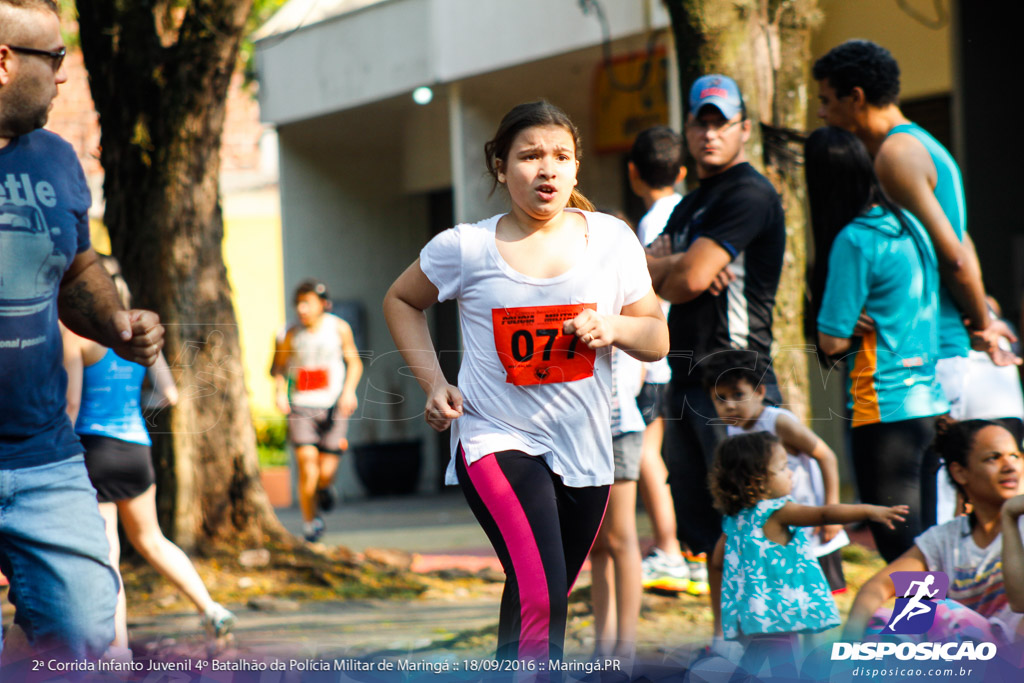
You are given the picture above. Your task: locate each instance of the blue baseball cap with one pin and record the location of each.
(719, 91)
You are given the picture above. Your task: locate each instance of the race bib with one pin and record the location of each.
(532, 348)
(310, 379)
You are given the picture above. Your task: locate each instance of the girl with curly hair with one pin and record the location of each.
(772, 587)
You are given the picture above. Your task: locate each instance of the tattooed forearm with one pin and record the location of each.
(80, 299)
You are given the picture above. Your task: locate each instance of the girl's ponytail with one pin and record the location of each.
(578, 201)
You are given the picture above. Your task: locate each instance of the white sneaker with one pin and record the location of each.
(312, 531)
(218, 620)
(661, 571)
(698, 566)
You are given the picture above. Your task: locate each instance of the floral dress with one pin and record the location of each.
(771, 588)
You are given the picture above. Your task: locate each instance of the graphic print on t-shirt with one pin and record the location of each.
(533, 349)
(31, 264)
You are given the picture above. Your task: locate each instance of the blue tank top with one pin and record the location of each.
(949, 191)
(111, 391)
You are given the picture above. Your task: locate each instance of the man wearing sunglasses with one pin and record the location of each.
(52, 546)
(718, 263)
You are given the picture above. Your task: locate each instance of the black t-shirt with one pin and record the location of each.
(740, 210)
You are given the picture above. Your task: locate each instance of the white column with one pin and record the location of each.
(457, 150)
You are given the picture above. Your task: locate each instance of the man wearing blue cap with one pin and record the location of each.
(732, 223)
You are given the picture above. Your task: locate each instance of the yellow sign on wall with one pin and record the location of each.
(626, 102)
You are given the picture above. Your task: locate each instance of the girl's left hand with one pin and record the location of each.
(888, 515)
(592, 328)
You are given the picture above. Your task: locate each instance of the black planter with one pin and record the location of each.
(391, 468)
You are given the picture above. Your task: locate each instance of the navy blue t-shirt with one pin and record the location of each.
(44, 223)
(741, 211)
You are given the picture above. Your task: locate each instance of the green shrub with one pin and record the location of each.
(272, 457)
(271, 440)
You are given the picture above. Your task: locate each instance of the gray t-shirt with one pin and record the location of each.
(975, 574)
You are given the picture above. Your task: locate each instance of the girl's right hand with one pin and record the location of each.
(444, 404)
(888, 515)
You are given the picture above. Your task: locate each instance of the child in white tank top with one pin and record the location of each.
(734, 380)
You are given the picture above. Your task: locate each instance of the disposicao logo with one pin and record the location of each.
(915, 610)
(916, 596)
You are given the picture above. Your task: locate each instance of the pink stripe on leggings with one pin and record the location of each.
(503, 504)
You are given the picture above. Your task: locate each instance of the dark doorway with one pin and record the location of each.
(445, 320)
(991, 146)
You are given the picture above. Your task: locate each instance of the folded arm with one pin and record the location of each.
(682, 277)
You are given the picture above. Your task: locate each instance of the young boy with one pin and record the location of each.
(317, 368)
(733, 379)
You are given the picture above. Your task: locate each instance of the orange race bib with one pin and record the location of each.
(532, 348)
(310, 379)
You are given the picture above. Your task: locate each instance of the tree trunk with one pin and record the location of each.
(764, 45)
(159, 75)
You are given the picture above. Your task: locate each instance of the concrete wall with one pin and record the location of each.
(252, 255)
(347, 222)
(924, 54)
(392, 47)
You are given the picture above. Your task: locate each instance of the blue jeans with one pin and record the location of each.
(54, 552)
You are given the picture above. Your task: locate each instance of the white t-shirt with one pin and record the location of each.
(991, 392)
(808, 484)
(565, 422)
(650, 227)
(975, 574)
(653, 222)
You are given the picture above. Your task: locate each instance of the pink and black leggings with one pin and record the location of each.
(542, 531)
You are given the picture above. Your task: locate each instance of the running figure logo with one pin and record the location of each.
(916, 595)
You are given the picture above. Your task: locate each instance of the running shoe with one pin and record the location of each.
(665, 572)
(326, 498)
(218, 620)
(698, 567)
(313, 530)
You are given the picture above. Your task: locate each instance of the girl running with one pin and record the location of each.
(544, 292)
(772, 586)
(104, 403)
(985, 464)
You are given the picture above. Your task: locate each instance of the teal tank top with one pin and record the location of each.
(111, 391)
(949, 191)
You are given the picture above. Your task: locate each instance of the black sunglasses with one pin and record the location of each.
(56, 55)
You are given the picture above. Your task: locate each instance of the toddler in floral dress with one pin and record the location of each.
(772, 587)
